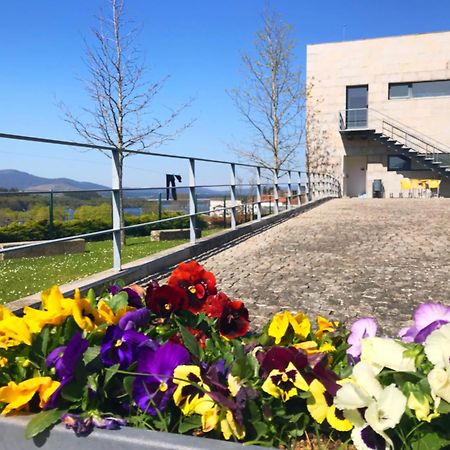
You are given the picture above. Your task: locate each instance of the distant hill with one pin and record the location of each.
(23, 181)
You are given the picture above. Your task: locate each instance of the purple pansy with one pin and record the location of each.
(82, 425)
(120, 346)
(135, 319)
(155, 390)
(362, 328)
(427, 318)
(65, 360)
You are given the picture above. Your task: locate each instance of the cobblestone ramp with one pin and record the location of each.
(345, 259)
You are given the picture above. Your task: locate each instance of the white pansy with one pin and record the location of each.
(387, 411)
(384, 352)
(439, 379)
(437, 346)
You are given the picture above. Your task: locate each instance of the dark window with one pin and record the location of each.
(357, 102)
(431, 88)
(400, 90)
(398, 163)
(419, 89)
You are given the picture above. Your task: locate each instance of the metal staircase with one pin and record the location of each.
(396, 137)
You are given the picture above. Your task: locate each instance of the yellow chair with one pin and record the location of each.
(433, 184)
(405, 184)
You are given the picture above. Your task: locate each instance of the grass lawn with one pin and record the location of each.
(25, 276)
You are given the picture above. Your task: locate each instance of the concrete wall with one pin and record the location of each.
(378, 62)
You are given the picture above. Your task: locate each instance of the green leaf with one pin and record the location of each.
(128, 384)
(91, 297)
(90, 354)
(41, 421)
(119, 300)
(190, 342)
(430, 441)
(444, 407)
(110, 373)
(189, 423)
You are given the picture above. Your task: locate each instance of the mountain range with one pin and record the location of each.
(23, 181)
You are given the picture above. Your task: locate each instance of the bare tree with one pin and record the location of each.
(120, 114)
(272, 99)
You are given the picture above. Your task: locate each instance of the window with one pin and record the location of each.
(398, 163)
(419, 89)
(401, 163)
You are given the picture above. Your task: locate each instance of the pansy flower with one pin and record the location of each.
(17, 396)
(233, 321)
(121, 347)
(285, 384)
(360, 329)
(166, 300)
(427, 318)
(13, 330)
(55, 310)
(133, 320)
(196, 281)
(64, 361)
(320, 406)
(215, 304)
(153, 392)
(85, 315)
(108, 316)
(285, 322)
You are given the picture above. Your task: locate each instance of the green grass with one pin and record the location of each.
(24, 276)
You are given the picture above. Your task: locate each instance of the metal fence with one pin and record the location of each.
(298, 186)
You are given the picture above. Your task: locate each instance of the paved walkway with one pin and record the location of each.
(345, 259)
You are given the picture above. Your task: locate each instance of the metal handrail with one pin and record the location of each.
(318, 185)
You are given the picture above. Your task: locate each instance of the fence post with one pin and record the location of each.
(192, 200)
(275, 191)
(50, 214)
(258, 194)
(299, 188)
(224, 212)
(289, 196)
(115, 194)
(159, 206)
(233, 195)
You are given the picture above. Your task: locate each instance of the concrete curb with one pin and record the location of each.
(161, 263)
(12, 436)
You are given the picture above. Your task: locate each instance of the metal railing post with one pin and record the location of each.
(115, 200)
(299, 188)
(276, 208)
(192, 202)
(289, 196)
(233, 195)
(258, 194)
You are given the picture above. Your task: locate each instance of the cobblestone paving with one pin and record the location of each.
(345, 259)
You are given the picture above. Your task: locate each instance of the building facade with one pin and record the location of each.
(379, 113)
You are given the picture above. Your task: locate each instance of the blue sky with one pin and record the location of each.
(198, 43)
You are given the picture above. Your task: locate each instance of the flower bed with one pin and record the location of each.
(181, 358)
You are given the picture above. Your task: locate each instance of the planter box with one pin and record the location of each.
(12, 436)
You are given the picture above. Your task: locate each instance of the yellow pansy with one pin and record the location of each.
(322, 408)
(55, 310)
(108, 316)
(280, 323)
(85, 315)
(324, 325)
(312, 347)
(3, 361)
(13, 329)
(197, 401)
(285, 384)
(17, 396)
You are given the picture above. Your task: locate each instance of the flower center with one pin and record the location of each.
(163, 386)
(167, 307)
(118, 343)
(284, 378)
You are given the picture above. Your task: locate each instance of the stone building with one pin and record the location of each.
(379, 113)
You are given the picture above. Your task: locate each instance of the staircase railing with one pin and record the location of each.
(392, 128)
